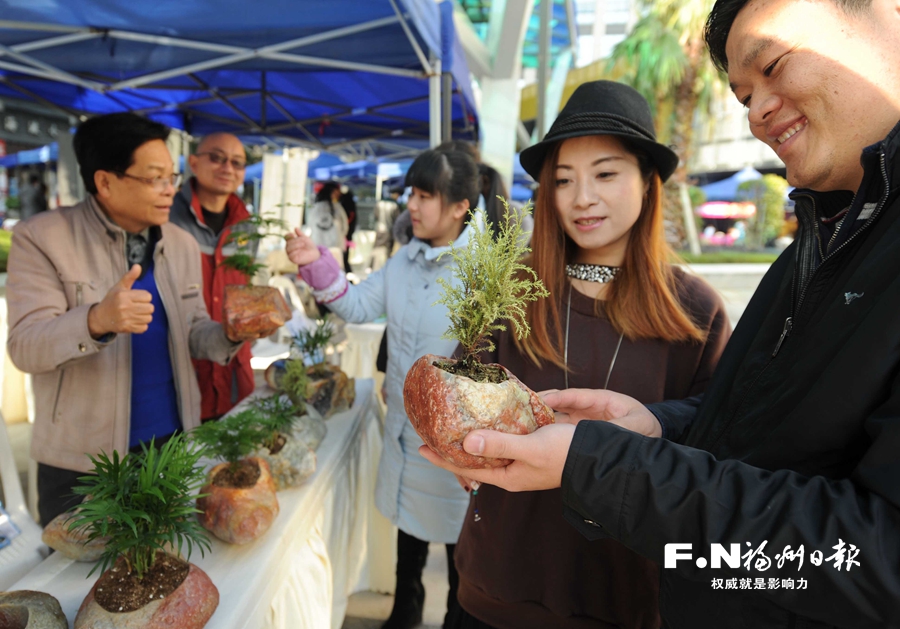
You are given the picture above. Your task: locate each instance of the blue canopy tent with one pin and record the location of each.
(727, 189)
(40, 155)
(345, 76)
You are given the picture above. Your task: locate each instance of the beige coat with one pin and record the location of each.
(60, 264)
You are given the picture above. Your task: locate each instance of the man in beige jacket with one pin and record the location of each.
(106, 309)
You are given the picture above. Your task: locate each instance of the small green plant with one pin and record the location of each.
(143, 503)
(492, 285)
(312, 343)
(233, 437)
(244, 235)
(278, 416)
(295, 383)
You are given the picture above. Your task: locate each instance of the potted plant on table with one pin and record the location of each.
(252, 311)
(329, 389)
(445, 399)
(290, 458)
(143, 505)
(237, 503)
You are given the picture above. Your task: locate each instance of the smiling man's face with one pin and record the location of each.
(817, 86)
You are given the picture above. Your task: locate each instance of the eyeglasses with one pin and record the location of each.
(159, 184)
(218, 159)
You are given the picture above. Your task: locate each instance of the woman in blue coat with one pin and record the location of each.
(426, 503)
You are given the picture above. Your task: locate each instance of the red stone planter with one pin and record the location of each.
(239, 515)
(444, 408)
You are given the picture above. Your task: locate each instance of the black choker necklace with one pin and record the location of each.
(592, 272)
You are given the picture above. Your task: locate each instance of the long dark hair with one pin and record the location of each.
(451, 174)
(324, 193)
(641, 303)
(492, 186)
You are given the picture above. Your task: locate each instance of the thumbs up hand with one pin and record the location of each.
(122, 310)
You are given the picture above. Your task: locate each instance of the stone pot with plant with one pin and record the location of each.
(238, 503)
(444, 398)
(143, 505)
(329, 389)
(249, 311)
(291, 461)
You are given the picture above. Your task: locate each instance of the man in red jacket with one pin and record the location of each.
(207, 208)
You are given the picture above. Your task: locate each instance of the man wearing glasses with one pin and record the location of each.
(207, 207)
(106, 309)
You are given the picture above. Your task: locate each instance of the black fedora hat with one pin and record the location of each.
(603, 108)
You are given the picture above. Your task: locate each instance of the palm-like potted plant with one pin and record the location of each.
(290, 459)
(329, 389)
(249, 311)
(445, 399)
(143, 505)
(237, 503)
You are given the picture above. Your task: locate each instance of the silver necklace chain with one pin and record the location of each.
(612, 363)
(592, 272)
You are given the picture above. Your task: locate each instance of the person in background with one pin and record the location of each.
(106, 309)
(328, 221)
(32, 197)
(424, 505)
(348, 202)
(208, 208)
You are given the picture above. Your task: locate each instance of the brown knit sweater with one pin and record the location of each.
(522, 565)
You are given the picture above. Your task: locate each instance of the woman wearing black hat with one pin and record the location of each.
(620, 316)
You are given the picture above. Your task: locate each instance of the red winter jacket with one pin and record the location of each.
(221, 386)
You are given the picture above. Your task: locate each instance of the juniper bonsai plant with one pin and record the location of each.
(446, 399)
(493, 286)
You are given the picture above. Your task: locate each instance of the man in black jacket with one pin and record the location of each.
(782, 485)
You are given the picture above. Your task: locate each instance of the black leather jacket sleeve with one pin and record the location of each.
(647, 493)
(676, 416)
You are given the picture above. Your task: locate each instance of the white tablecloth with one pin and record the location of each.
(363, 340)
(327, 542)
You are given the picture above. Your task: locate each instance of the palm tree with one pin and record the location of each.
(665, 59)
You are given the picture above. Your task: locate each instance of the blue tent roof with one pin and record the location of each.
(43, 154)
(726, 189)
(324, 73)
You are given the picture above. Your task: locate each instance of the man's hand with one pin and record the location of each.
(538, 458)
(123, 310)
(301, 250)
(573, 405)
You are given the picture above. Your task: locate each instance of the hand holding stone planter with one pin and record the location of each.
(142, 505)
(446, 399)
(251, 312)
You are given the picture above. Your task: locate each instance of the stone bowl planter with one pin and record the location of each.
(444, 408)
(189, 606)
(329, 390)
(71, 544)
(291, 464)
(253, 311)
(25, 609)
(238, 514)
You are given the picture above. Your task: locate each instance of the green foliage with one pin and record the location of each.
(768, 195)
(5, 244)
(295, 382)
(244, 234)
(143, 503)
(277, 416)
(492, 285)
(233, 437)
(729, 256)
(312, 343)
(13, 203)
(697, 196)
